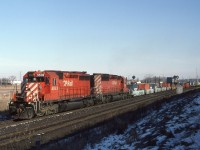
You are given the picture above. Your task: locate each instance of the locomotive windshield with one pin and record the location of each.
(34, 78)
(37, 79)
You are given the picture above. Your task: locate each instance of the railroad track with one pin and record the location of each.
(69, 113)
(29, 130)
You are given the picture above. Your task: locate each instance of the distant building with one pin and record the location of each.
(17, 82)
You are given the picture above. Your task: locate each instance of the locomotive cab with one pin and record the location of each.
(25, 104)
(33, 86)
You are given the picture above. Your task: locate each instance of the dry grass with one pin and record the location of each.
(3, 105)
(6, 93)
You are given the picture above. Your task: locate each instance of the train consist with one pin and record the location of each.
(145, 88)
(48, 92)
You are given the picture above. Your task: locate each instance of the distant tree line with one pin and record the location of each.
(158, 79)
(149, 79)
(7, 81)
(154, 79)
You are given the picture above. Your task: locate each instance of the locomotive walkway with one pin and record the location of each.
(28, 133)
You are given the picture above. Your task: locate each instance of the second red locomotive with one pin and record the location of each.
(48, 92)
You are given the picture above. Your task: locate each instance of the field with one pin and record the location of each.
(6, 93)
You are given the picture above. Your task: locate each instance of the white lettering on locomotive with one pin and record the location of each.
(68, 83)
(40, 75)
(114, 82)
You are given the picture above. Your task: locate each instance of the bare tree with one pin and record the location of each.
(148, 78)
(12, 78)
(153, 79)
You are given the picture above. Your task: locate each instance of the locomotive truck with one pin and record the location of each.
(48, 92)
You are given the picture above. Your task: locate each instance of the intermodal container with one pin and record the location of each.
(170, 80)
(143, 86)
(153, 85)
(138, 93)
(168, 88)
(163, 89)
(165, 84)
(179, 89)
(158, 90)
(150, 91)
(186, 85)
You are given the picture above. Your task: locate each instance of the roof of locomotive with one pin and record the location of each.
(61, 73)
(57, 72)
(76, 72)
(72, 72)
(106, 74)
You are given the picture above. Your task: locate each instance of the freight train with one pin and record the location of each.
(48, 92)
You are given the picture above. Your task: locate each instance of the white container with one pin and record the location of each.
(150, 91)
(147, 91)
(138, 93)
(168, 88)
(158, 90)
(163, 88)
(179, 89)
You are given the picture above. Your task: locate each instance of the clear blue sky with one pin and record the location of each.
(125, 37)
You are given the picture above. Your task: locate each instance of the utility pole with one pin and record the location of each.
(20, 78)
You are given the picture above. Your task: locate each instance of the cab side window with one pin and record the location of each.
(54, 81)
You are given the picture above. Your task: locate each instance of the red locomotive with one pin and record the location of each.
(48, 92)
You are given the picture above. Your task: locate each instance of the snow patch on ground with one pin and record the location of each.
(176, 125)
